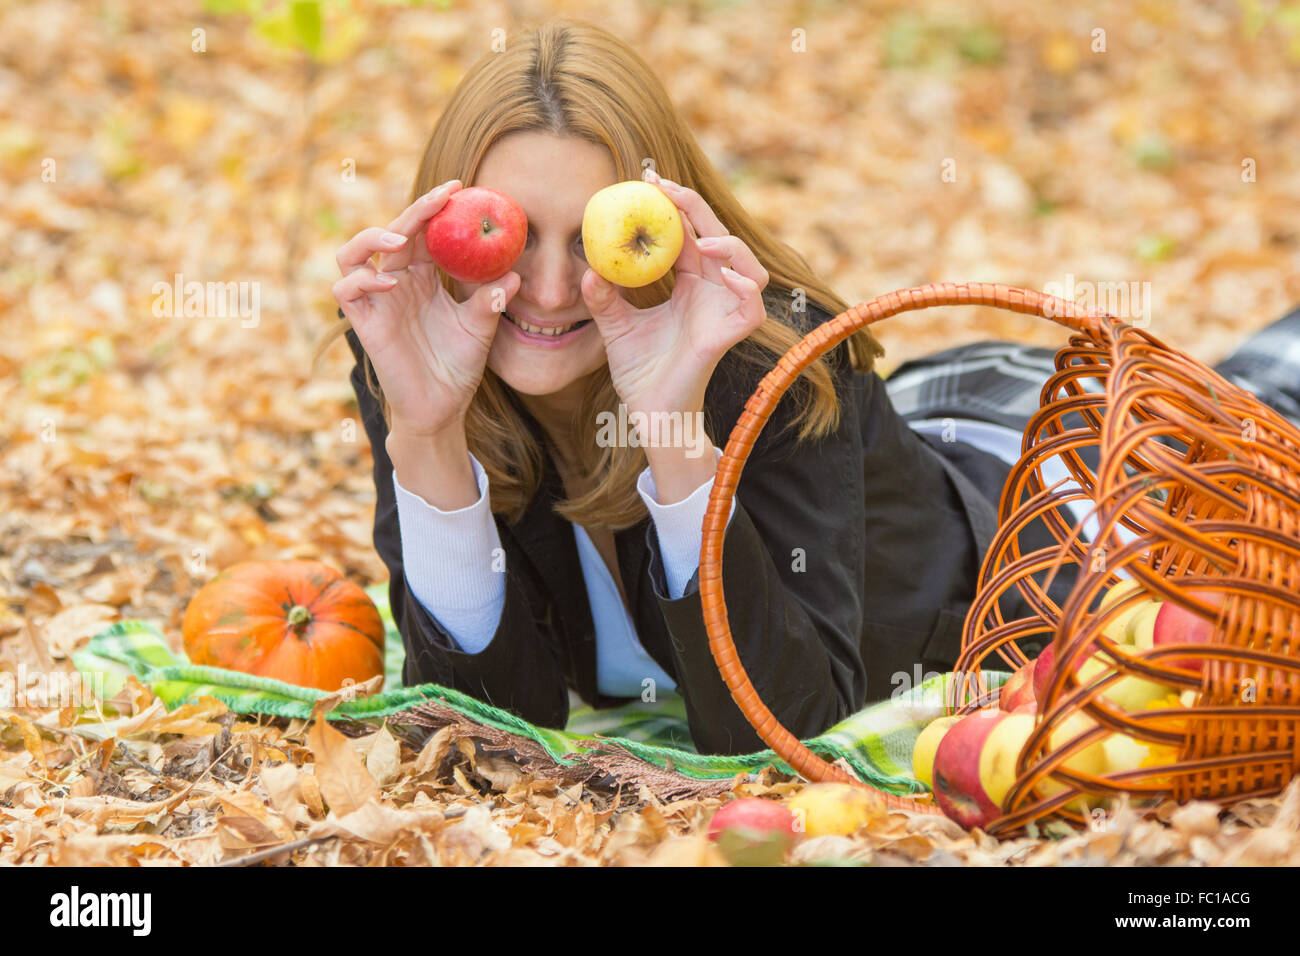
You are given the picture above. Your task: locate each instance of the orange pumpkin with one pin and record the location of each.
(297, 621)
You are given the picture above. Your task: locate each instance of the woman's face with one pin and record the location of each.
(551, 178)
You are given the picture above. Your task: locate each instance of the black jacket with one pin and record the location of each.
(891, 537)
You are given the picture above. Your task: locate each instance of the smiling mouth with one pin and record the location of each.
(537, 330)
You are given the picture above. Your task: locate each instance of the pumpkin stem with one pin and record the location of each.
(298, 616)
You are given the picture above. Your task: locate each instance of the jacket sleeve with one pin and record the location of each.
(847, 568)
(519, 670)
(448, 560)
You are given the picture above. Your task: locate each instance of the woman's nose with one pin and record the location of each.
(549, 280)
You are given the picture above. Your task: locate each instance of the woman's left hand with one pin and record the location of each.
(661, 358)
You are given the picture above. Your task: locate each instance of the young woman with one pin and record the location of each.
(528, 556)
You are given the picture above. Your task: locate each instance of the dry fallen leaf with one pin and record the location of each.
(344, 781)
(144, 452)
(384, 759)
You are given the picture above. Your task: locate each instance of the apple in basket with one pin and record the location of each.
(631, 233)
(477, 235)
(753, 832)
(975, 765)
(1177, 625)
(1129, 692)
(1134, 626)
(927, 745)
(1118, 627)
(1090, 759)
(1019, 688)
(1044, 664)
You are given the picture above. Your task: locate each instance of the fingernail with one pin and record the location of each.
(392, 239)
(652, 176)
(669, 183)
(707, 242)
(385, 278)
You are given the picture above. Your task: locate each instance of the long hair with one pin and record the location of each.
(570, 78)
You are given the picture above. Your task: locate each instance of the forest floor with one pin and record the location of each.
(142, 451)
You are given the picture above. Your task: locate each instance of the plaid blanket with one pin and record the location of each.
(1001, 382)
(637, 742)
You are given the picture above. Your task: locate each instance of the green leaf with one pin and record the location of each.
(1289, 16)
(981, 44)
(306, 24)
(276, 29)
(1154, 247)
(902, 41)
(328, 221)
(228, 6)
(1152, 151)
(345, 35)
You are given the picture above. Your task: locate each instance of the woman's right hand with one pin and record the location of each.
(428, 350)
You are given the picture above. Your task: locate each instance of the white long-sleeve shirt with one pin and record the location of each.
(454, 566)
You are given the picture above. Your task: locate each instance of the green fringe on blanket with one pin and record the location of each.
(877, 741)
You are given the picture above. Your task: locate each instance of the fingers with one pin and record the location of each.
(359, 283)
(356, 252)
(603, 298)
(697, 220)
(412, 222)
(692, 204)
(751, 310)
(732, 251)
(483, 309)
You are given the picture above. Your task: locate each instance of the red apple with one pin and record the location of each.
(753, 832)
(1177, 625)
(974, 774)
(477, 235)
(1018, 689)
(1043, 666)
(957, 786)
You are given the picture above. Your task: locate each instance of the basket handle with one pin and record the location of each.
(757, 410)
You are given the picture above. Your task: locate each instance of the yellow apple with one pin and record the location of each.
(631, 233)
(1125, 753)
(1142, 626)
(835, 809)
(999, 754)
(1128, 693)
(927, 745)
(1117, 627)
(1090, 760)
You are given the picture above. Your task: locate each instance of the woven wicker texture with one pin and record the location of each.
(1196, 496)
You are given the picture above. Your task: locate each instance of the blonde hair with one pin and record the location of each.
(571, 78)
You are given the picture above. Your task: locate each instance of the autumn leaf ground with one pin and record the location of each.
(142, 452)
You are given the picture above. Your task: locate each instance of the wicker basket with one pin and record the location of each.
(1198, 490)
